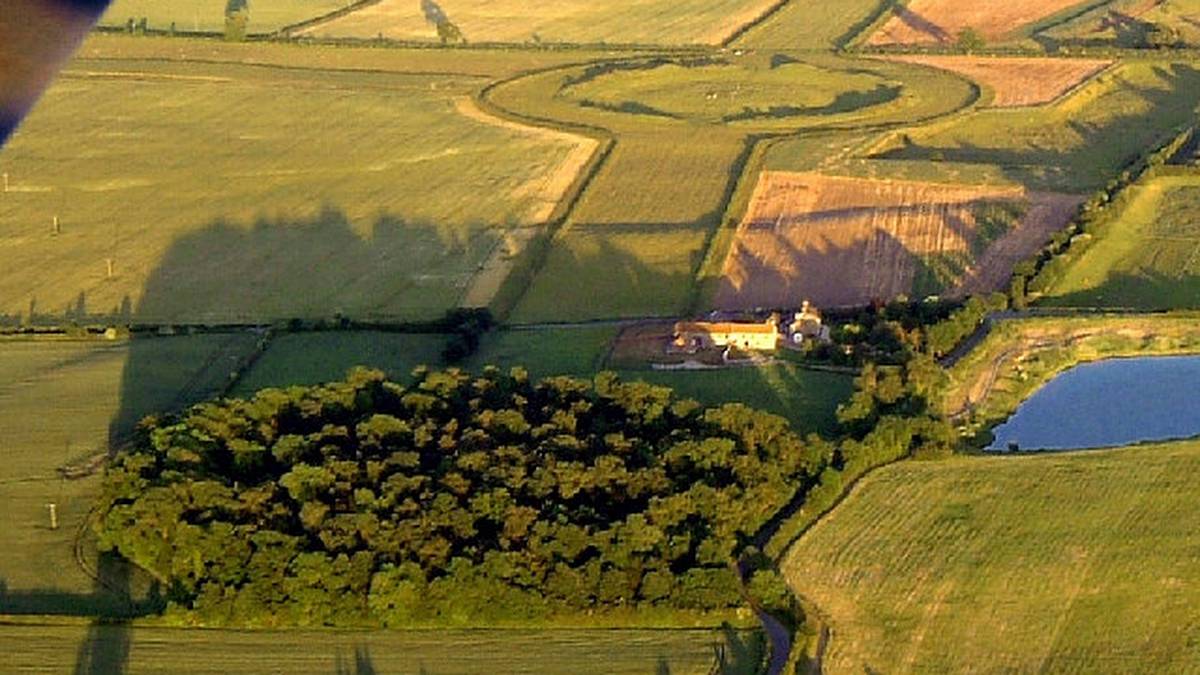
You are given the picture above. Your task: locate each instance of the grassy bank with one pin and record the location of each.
(1019, 356)
(1065, 563)
(1147, 256)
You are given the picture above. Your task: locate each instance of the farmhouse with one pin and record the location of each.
(694, 336)
(807, 325)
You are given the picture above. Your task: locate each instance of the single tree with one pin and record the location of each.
(970, 40)
(237, 16)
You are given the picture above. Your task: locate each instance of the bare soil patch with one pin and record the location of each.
(1018, 81)
(851, 241)
(940, 21)
(639, 345)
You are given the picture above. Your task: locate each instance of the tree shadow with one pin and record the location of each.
(314, 267)
(273, 270)
(922, 25)
(631, 270)
(1146, 289)
(817, 257)
(737, 654)
(362, 665)
(1040, 166)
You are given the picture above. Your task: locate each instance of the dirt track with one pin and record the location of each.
(849, 241)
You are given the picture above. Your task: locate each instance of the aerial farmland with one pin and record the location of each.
(698, 336)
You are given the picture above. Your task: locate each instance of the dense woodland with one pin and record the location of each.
(451, 499)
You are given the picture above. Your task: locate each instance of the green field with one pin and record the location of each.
(266, 16)
(808, 399)
(315, 358)
(728, 92)
(1063, 563)
(233, 193)
(812, 24)
(108, 649)
(1147, 257)
(1076, 145)
(82, 392)
(578, 352)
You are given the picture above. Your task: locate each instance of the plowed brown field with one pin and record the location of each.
(850, 241)
(1017, 81)
(940, 21)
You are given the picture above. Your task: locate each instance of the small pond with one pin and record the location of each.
(1109, 403)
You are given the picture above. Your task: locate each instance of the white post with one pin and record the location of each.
(57, 226)
(109, 261)
(53, 515)
(6, 181)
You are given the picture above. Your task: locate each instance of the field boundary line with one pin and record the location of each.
(1062, 18)
(768, 14)
(862, 31)
(1077, 88)
(286, 67)
(288, 30)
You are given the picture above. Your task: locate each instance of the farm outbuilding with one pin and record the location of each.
(694, 336)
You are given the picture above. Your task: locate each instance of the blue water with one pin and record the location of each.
(1109, 403)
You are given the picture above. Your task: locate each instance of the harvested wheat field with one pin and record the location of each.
(573, 21)
(941, 21)
(850, 241)
(1017, 81)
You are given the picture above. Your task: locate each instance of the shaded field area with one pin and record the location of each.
(1147, 257)
(941, 21)
(847, 241)
(84, 395)
(1017, 81)
(216, 192)
(806, 398)
(670, 22)
(1057, 563)
(1132, 23)
(265, 16)
(1075, 145)
(217, 652)
(316, 358)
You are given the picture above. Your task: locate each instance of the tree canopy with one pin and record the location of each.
(450, 499)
